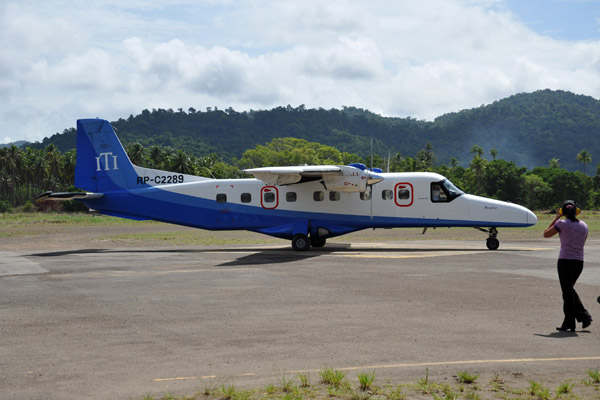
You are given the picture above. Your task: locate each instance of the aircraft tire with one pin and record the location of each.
(300, 242)
(317, 242)
(492, 243)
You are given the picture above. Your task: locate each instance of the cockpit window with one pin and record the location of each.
(444, 191)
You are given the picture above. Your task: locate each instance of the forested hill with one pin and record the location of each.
(528, 128)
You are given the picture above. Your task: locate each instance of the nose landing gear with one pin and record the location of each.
(492, 243)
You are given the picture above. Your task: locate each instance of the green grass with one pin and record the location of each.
(332, 377)
(465, 377)
(365, 380)
(334, 385)
(53, 218)
(17, 225)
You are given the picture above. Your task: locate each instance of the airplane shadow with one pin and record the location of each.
(259, 255)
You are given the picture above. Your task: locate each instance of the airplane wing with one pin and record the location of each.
(290, 175)
(335, 177)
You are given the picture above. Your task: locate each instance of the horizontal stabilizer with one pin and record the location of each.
(68, 196)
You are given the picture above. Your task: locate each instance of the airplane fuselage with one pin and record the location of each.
(400, 200)
(306, 204)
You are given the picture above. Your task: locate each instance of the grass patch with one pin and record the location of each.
(332, 377)
(334, 385)
(594, 376)
(465, 377)
(365, 380)
(35, 223)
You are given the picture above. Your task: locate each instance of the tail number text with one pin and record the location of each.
(159, 179)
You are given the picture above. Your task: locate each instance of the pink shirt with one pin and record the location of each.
(572, 238)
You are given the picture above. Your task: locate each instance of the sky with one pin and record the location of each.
(65, 60)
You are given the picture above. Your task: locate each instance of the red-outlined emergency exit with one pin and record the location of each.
(269, 197)
(403, 194)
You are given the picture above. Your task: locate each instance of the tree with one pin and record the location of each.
(289, 151)
(425, 158)
(476, 150)
(584, 157)
(13, 162)
(503, 180)
(477, 167)
(536, 193)
(554, 163)
(493, 153)
(181, 163)
(136, 153)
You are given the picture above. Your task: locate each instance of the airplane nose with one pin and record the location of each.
(531, 218)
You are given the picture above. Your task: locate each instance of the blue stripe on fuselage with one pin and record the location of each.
(161, 205)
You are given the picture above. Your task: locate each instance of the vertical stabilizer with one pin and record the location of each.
(102, 163)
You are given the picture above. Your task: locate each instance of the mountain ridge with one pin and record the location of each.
(527, 128)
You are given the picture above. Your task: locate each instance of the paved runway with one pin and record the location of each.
(116, 323)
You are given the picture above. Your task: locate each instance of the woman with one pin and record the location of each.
(573, 234)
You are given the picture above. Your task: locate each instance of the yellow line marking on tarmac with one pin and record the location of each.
(183, 378)
(465, 362)
(407, 365)
(419, 255)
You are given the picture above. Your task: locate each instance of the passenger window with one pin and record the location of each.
(290, 196)
(365, 195)
(334, 196)
(269, 197)
(387, 194)
(403, 194)
(318, 196)
(221, 198)
(438, 195)
(246, 197)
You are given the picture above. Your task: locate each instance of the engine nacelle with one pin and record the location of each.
(346, 183)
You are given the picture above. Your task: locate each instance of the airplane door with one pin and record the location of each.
(269, 197)
(403, 194)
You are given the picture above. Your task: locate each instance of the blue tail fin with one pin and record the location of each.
(102, 164)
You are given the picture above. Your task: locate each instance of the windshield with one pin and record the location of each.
(452, 190)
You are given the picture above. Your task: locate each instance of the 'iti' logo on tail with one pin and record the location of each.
(106, 164)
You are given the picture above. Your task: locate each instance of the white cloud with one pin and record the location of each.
(62, 60)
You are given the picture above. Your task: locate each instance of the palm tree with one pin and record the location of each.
(477, 150)
(554, 163)
(478, 167)
(158, 157)
(136, 153)
(53, 158)
(14, 161)
(584, 157)
(493, 153)
(67, 175)
(181, 163)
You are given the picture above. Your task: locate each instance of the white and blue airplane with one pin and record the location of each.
(304, 204)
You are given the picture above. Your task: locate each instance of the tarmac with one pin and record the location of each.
(120, 323)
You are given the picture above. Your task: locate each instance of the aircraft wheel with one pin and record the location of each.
(492, 243)
(300, 242)
(317, 241)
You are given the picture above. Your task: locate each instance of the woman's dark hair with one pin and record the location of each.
(569, 210)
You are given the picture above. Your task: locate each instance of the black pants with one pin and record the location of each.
(568, 273)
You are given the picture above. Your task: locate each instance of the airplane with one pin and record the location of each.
(305, 204)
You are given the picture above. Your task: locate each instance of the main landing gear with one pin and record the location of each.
(492, 243)
(301, 242)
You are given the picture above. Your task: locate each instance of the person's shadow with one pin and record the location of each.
(560, 335)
